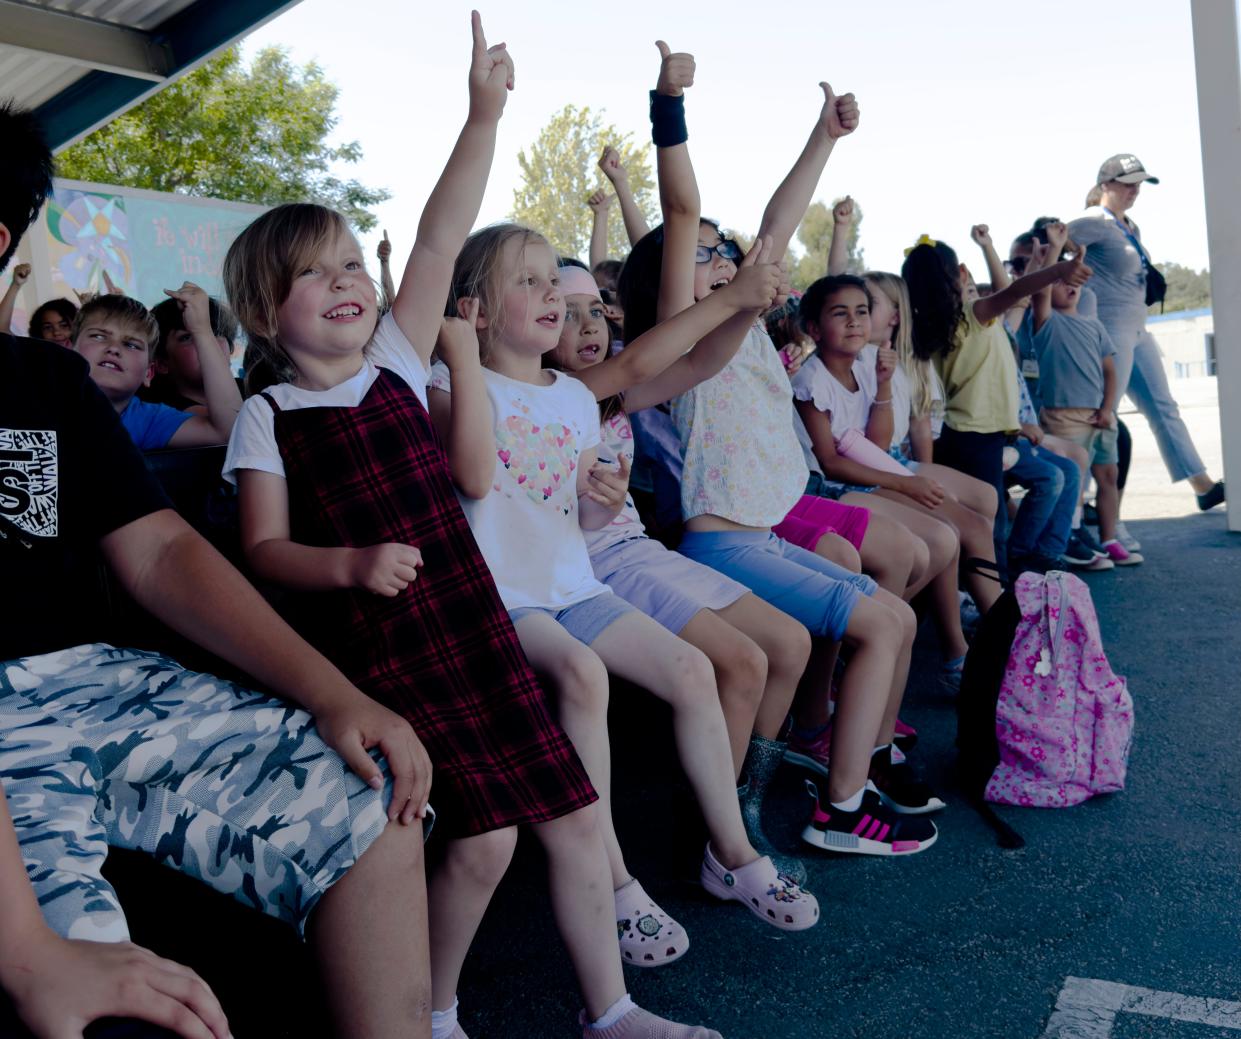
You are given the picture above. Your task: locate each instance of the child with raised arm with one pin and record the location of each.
(117, 336)
(744, 471)
(756, 652)
(103, 745)
(974, 360)
(614, 170)
(1079, 391)
(347, 500)
(178, 379)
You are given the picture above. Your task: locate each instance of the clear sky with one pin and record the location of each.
(973, 111)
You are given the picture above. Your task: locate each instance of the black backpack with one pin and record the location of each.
(978, 748)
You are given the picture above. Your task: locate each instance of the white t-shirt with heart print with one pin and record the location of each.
(527, 527)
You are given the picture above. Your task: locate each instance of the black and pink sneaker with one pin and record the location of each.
(874, 829)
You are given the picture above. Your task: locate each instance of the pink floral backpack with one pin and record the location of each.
(1042, 720)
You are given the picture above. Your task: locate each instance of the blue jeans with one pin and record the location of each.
(1045, 517)
(1140, 373)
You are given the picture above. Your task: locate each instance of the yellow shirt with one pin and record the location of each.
(980, 379)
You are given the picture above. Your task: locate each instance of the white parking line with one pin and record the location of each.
(1087, 1008)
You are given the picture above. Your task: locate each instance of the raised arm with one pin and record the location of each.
(20, 274)
(881, 423)
(670, 342)
(842, 223)
(385, 269)
(600, 203)
(219, 386)
(838, 117)
(454, 203)
(464, 418)
(1040, 302)
(679, 202)
(981, 234)
(614, 170)
(1073, 272)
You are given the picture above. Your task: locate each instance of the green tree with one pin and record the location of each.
(256, 134)
(560, 171)
(1188, 289)
(815, 235)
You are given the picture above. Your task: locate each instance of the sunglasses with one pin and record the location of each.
(727, 248)
(1017, 264)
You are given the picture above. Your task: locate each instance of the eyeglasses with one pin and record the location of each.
(727, 248)
(1018, 264)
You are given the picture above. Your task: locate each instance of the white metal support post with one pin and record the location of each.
(1217, 58)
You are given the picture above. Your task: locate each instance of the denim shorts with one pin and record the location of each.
(584, 620)
(816, 591)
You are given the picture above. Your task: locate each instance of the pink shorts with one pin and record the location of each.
(812, 517)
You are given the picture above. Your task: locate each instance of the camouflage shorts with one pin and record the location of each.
(102, 746)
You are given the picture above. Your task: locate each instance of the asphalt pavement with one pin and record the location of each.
(1142, 888)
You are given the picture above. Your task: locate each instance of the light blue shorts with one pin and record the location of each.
(815, 590)
(583, 620)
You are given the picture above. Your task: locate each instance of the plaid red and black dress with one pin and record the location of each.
(443, 653)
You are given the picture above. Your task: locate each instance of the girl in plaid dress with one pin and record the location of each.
(347, 502)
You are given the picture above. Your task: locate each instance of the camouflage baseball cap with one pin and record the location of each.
(1127, 169)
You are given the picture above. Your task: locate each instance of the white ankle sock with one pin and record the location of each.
(444, 1022)
(614, 1013)
(850, 804)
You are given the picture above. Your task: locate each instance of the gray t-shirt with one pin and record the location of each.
(1070, 350)
(1119, 280)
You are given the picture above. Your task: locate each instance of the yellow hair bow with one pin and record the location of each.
(926, 239)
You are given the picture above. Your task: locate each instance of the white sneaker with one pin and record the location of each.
(1127, 539)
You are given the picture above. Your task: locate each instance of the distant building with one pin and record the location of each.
(1187, 339)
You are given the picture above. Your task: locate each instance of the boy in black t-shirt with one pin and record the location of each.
(100, 745)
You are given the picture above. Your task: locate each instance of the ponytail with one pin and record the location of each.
(1094, 196)
(932, 273)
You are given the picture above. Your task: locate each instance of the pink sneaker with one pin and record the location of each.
(1120, 555)
(813, 754)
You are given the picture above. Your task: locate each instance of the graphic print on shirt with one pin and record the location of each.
(28, 480)
(540, 458)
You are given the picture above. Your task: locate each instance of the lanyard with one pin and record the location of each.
(1132, 237)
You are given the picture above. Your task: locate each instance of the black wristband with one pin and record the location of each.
(668, 120)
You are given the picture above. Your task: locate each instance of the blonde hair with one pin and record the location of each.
(921, 378)
(477, 273)
(258, 275)
(124, 310)
(1094, 196)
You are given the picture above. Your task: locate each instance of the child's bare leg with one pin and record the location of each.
(976, 538)
(786, 644)
(908, 627)
(1073, 452)
(936, 529)
(838, 550)
(740, 675)
(581, 684)
(580, 882)
(877, 635)
(946, 608)
(642, 651)
(889, 552)
(970, 491)
(813, 705)
(458, 894)
(1107, 499)
(369, 935)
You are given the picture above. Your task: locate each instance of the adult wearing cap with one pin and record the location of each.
(1125, 281)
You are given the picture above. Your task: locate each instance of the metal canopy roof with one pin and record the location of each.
(80, 63)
